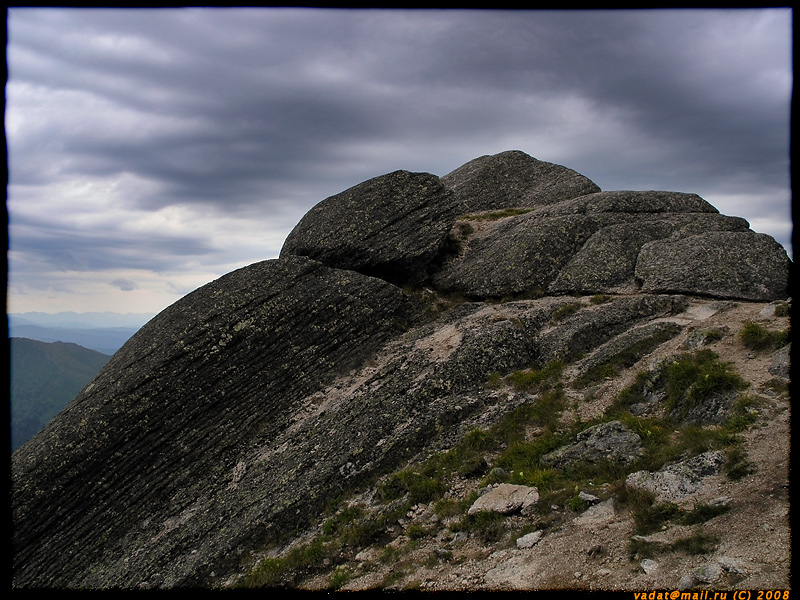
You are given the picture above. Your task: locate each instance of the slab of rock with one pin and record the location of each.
(514, 179)
(506, 499)
(723, 264)
(606, 263)
(606, 441)
(678, 480)
(529, 540)
(391, 226)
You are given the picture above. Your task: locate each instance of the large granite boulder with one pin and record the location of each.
(514, 179)
(392, 226)
(723, 264)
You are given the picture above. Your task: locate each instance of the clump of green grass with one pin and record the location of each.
(697, 543)
(694, 377)
(703, 512)
(650, 516)
(600, 299)
(758, 338)
(782, 310)
(538, 378)
(565, 310)
(272, 572)
(490, 526)
(420, 485)
(339, 578)
(736, 464)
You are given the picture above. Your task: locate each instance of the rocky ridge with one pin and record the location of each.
(399, 320)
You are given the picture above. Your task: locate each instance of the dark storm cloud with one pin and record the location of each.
(259, 114)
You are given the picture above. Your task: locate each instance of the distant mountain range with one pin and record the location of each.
(103, 332)
(44, 377)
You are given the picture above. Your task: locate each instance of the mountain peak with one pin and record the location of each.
(405, 316)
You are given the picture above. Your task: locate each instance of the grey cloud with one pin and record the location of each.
(268, 111)
(126, 285)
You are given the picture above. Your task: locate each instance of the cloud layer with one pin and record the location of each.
(151, 151)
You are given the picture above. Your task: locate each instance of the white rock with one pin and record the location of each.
(506, 499)
(529, 540)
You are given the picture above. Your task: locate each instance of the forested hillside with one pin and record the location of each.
(44, 378)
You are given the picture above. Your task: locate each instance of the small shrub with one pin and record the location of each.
(419, 487)
(339, 578)
(490, 526)
(692, 378)
(634, 393)
(703, 512)
(267, 573)
(758, 338)
(565, 310)
(342, 519)
(697, 543)
(600, 299)
(743, 413)
(782, 310)
(736, 464)
(576, 503)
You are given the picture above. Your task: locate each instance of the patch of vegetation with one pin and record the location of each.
(697, 543)
(536, 378)
(694, 377)
(454, 244)
(782, 309)
(702, 513)
(420, 485)
(758, 338)
(339, 578)
(495, 215)
(744, 413)
(490, 526)
(600, 299)
(565, 310)
(708, 336)
(650, 516)
(626, 358)
(736, 464)
(778, 385)
(273, 572)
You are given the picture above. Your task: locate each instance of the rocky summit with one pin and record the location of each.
(501, 378)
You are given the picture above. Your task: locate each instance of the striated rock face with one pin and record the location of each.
(233, 418)
(114, 483)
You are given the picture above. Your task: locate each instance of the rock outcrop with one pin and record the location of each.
(233, 418)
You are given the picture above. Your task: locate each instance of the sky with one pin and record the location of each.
(150, 152)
